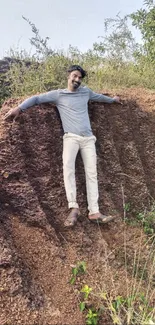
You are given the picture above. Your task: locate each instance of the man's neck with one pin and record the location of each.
(71, 89)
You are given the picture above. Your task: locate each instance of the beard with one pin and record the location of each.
(75, 84)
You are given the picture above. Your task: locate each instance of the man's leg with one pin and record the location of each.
(88, 153)
(70, 150)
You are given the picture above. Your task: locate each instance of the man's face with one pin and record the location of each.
(74, 79)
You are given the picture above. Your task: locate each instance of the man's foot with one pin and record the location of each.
(72, 218)
(100, 218)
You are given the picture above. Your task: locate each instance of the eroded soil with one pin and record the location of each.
(37, 253)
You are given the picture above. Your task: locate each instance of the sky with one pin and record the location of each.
(77, 22)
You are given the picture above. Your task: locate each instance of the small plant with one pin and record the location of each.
(127, 207)
(92, 317)
(80, 268)
(82, 306)
(134, 309)
(147, 219)
(86, 290)
(119, 300)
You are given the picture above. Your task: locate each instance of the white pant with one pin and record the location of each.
(72, 143)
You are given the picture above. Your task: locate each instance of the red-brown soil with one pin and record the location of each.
(37, 253)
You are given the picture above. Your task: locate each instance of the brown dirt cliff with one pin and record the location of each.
(36, 251)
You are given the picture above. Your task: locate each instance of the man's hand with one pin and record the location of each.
(117, 100)
(13, 113)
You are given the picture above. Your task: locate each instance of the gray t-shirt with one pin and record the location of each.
(72, 107)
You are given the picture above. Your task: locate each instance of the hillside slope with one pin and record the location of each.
(37, 252)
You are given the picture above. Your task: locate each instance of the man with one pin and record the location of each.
(72, 104)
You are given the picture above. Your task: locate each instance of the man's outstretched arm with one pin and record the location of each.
(102, 98)
(49, 97)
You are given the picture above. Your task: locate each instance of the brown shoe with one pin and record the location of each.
(101, 218)
(72, 218)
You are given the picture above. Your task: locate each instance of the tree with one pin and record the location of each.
(40, 44)
(118, 44)
(144, 20)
